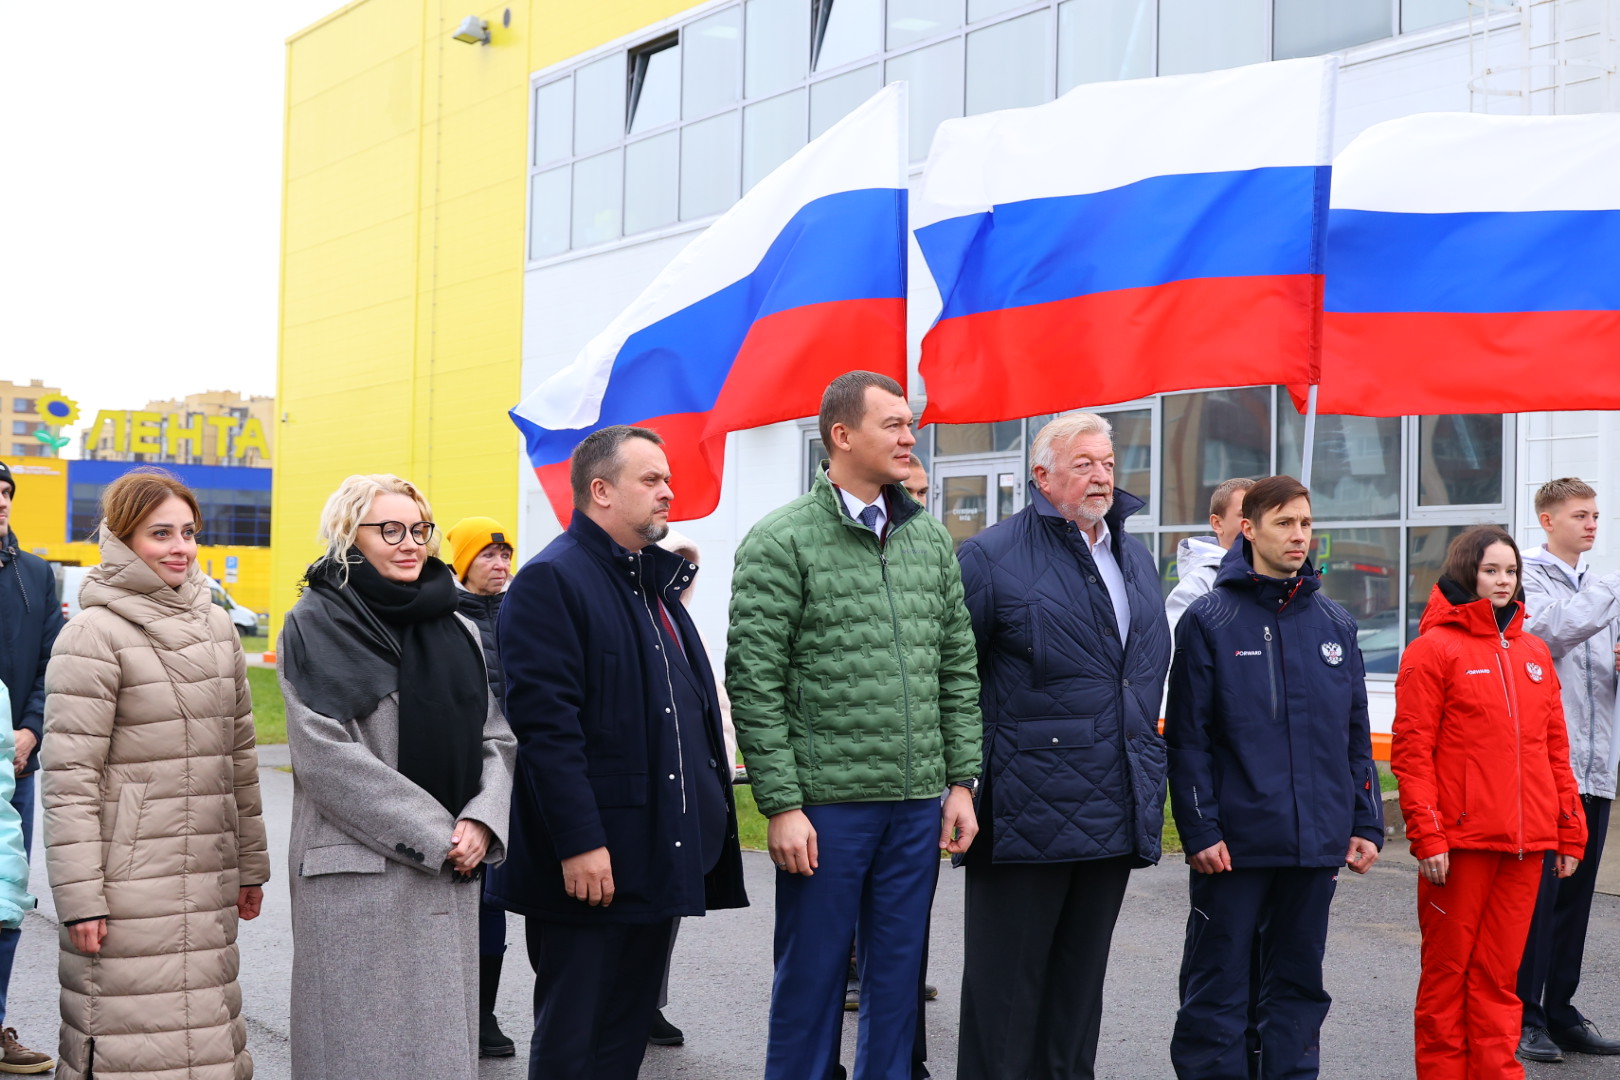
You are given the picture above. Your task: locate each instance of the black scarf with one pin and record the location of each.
(346, 647)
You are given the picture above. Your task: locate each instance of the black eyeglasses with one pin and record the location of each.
(393, 532)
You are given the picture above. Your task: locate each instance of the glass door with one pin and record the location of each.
(969, 497)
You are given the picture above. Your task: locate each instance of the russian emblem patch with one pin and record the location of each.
(1332, 653)
(1533, 670)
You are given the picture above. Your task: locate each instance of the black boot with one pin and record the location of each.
(492, 1042)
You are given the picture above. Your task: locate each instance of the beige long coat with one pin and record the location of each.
(152, 820)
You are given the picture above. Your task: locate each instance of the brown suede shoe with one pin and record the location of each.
(17, 1058)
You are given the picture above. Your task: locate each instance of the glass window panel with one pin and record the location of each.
(777, 52)
(548, 213)
(1356, 466)
(1361, 570)
(656, 90)
(914, 20)
(1419, 14)
(983, 9)
(553, 121)
(1103, 41)
(935, 78)
(1312, 27)
(773, 131)
(598, 183)
(708, 166)
(837, 97)
(1006, 65)
(652, 182)
(1169, 574)
(954, 440)
(1133, 452)
(1203, 35)
(964, 506)
(815, 454)
(709, 80)
(1006, 495)
(1459, 460)
(1209, 438)
(599, 104)
(1425, 557)
(850, 30)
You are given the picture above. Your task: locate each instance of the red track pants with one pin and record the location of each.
(1474, 928)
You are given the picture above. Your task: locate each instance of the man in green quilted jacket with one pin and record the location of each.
(854, 688)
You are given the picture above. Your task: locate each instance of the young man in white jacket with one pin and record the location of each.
(1197, 557)
(1576, 613)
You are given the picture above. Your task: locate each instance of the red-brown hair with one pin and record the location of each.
(131, 498)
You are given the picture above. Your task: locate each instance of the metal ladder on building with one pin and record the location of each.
(1543, 57)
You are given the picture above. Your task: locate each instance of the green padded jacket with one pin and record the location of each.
(851, 665)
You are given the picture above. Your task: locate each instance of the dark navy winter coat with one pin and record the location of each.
(1074, 764)
(1270, 748)
(593, 705)
(485, 612)
(30, 619)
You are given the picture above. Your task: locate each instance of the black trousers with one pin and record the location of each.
(1551, 969)
(1287, 909)
(595, 992)
(1038, 936)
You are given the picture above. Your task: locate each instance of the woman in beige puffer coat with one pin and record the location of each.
(154, 838)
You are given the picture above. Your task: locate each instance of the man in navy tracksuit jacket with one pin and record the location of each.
(1273, 789)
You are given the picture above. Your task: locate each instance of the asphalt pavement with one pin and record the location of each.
(720, 985)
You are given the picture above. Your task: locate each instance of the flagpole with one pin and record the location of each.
(1309, 448)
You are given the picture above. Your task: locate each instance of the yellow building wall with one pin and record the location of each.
(404, 205)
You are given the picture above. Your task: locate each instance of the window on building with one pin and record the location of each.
(776, 49)
(655, 85)
(815, 452)
(599, 118)
(1205, 35)
(1208, 438)
(1459, 461)
(1311, 27)
(1355, 466)
(22, 405)
(1133, 451)
(1104, 41)
(553, 121)
(598, 189)
(652, 182)
(709, 166)
(1006, 66)
(773, 131)
(956, 440)
(935, 78)
(1361, 570)
(833, 99)
(846, 31)
(21, 427)
(21, 449)
(548, 213)
(917, 20)
(984, 9)
(712, 79)
(1422, 14)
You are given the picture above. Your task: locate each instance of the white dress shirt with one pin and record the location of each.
(1102, 553)
(855, 506)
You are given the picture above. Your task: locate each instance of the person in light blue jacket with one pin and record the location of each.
(14, 898)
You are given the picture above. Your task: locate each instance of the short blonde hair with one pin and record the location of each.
(347, 507)
(1063, 429)
(1555, 493)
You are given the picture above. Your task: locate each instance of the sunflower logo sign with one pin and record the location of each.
(58, 412)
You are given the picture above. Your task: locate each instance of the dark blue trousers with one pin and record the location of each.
(879, 863)
(1551, 970)
(1286, 909)
(595, 992)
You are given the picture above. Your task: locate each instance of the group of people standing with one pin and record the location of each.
(467, 742)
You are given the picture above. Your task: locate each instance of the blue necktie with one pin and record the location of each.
(869, 517)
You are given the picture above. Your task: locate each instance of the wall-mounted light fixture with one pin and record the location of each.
(472, 31)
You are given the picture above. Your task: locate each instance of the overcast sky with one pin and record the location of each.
(140, 195)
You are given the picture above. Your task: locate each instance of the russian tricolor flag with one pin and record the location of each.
(1128, 238)
(1474, 266)
(800, 281)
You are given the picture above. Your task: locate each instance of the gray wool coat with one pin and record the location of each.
(385, 940)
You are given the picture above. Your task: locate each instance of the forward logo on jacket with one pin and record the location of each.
(1332, 653)
(1533, 670)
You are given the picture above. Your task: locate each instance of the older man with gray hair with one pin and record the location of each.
(1073, 650)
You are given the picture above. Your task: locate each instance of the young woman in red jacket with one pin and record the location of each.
(1486, 788)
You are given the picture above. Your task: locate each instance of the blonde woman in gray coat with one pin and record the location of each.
(402, 772)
